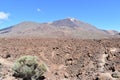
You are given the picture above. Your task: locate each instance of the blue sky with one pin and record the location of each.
(104, 14)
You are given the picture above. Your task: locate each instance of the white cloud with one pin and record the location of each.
(38, 9)
(4, 16)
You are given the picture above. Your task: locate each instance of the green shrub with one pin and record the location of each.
(28, 67)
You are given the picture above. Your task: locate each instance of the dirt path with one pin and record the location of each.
(102, 62)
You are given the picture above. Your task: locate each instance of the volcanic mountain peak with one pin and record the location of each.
(69, 19)
(72, 19)
(68, 22)
(69, 27)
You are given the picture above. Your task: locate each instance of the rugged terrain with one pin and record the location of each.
(67, 59)
(71, 49)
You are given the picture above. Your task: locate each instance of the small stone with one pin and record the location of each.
(116, 75)
(0, 66)
(8, 55)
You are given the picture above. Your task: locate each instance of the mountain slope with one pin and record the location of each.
(66, 28)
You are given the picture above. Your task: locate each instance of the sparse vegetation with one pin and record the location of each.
(27, 67)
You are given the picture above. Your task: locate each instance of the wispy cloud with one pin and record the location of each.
(39, 10)
(4, 16)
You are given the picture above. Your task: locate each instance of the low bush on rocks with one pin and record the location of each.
(28, 68)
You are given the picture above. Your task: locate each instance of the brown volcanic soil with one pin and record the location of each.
(67, 59)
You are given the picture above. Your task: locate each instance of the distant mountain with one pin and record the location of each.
(66, 28)
(111, 32)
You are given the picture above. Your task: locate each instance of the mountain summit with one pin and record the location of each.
(68, 22)
(65, 28)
